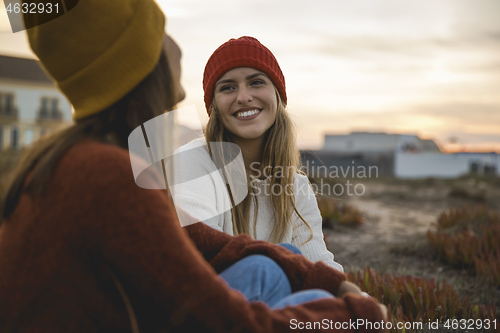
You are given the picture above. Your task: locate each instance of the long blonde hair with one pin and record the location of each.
(280, 150)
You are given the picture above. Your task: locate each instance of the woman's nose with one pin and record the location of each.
(244, 96)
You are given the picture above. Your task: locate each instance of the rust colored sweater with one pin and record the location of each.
(53, 246)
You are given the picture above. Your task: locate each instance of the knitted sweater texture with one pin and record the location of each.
(92, 214)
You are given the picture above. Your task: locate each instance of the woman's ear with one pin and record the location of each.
(213, 108)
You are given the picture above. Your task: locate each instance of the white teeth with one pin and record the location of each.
(247, 113)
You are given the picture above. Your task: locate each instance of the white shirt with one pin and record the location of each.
(200, 190)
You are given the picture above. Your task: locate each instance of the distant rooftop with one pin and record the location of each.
(378, 142)
(363, 132)
(22, 69)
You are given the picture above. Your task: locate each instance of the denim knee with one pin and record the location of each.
(259, 261)
(302, 297)
(259, 278)
(254, 263)
(291, 248)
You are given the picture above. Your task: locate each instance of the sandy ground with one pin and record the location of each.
(397, 216)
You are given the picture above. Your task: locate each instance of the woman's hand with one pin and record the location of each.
(349, 287)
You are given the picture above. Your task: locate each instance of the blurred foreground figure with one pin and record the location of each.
(84, 249)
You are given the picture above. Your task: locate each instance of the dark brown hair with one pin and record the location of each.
(151, 97)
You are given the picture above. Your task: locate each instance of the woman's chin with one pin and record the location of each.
(248, 136)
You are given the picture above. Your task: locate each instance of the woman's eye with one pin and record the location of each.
(257, 82)
(224, 88)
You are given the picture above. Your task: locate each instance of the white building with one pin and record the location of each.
(424, 165)
(366, 142)
(408, 156)
(30, 104)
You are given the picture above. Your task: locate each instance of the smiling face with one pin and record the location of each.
(247, 103)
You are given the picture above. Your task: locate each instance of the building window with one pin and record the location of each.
(43, 110)
(7, 104)
(14, 138)
(55, 107)
(49, 108)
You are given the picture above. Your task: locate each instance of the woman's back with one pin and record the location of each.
(57, 247)
(61, 249)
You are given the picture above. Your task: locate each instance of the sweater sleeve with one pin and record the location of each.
(313, 248)
(136, 231)
(222, 250)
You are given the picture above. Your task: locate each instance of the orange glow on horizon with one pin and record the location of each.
(470, 148)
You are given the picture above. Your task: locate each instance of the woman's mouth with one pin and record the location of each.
(250, 114)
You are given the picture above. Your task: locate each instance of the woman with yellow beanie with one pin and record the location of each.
(84, 249)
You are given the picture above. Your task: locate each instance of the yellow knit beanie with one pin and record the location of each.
(99, 50)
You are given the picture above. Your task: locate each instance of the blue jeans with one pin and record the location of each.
(259, 278)
(291, 248)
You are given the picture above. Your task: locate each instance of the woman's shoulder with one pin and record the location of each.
(196, 143)
(90, 161)
(93, 161)
(90, 164)
(193, 157)
(193, 152)
(302, 188)
(301, 178)
(91, 153)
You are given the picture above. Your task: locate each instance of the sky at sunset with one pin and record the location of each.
(430, 68)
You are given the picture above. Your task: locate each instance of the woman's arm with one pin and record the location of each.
(307, 205)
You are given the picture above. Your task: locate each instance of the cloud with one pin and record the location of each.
(466, 114)
(472, 123)
(366, 46)
(494, 35)
(477, 138)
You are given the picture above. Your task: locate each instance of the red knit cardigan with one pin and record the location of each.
(92, 214)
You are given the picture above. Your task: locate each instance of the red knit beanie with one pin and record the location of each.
(242, 52)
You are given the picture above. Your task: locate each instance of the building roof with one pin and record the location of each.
(377, 142)
(22, 69)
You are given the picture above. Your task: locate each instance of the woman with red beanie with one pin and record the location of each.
(84, 249)
(245, 97)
